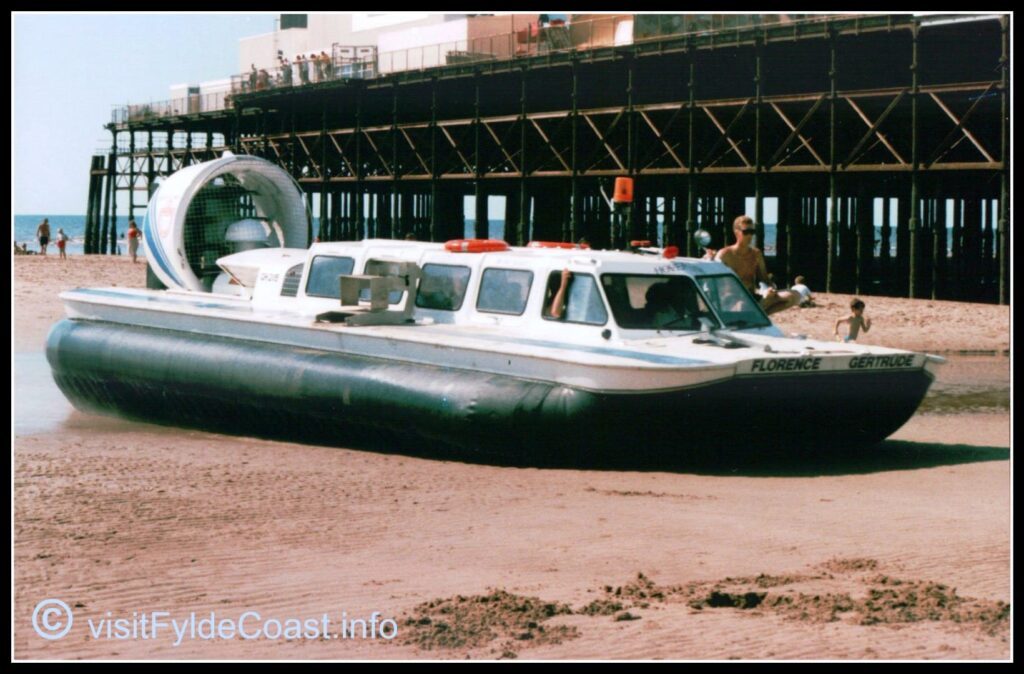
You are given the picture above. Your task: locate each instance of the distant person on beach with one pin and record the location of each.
(748, 263)
(856, 321)
(133, 239)
(62, 243)
(43, 234)
(799, 287)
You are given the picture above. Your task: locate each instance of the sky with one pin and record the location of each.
(68, 71)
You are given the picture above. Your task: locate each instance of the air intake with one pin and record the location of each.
(217, 208)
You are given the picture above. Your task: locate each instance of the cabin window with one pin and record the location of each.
(735, 305)
(442, 286)
(378, 268)
(292, 278)
(323, 275)
(504, 291)
(578, 302)
(655, 302)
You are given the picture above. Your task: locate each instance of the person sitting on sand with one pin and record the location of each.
(856, 320)
(799, 287)
(748, 263)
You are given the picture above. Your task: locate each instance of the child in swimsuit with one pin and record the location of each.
(62, 242)
(856, 320)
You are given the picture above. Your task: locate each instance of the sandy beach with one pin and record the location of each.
(902, 552)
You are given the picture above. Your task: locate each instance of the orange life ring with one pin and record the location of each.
(475, 246)
(557, 244)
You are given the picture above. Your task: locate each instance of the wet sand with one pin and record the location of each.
(902, 552)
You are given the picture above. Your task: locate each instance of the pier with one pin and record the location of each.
(881, 143)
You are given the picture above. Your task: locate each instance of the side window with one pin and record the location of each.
(578, 302)
(292, 278)
(504, 291)
(378, 268)
(323, 275)
(646, 302)
(442, 286)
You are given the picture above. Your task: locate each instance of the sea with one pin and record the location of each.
(25, 227)
(74, 226)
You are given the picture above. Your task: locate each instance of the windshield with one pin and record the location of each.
(732, 302)
(655, 302)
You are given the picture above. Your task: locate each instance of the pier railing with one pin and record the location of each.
(190, 104)
(533, 40)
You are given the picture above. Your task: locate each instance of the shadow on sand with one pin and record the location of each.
(891, 455)
(752, 461)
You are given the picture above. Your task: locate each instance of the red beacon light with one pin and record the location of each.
(670, 252)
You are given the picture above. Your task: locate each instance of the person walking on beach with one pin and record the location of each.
(856, 320)
(62, 243)
(43, 234)
(133, 239)
(748, 263)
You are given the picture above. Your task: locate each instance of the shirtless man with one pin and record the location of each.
(748, 263)
(43, 234)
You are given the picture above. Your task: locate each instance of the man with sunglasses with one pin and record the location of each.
(748, 263)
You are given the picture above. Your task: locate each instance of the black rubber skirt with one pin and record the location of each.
(268, 390)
